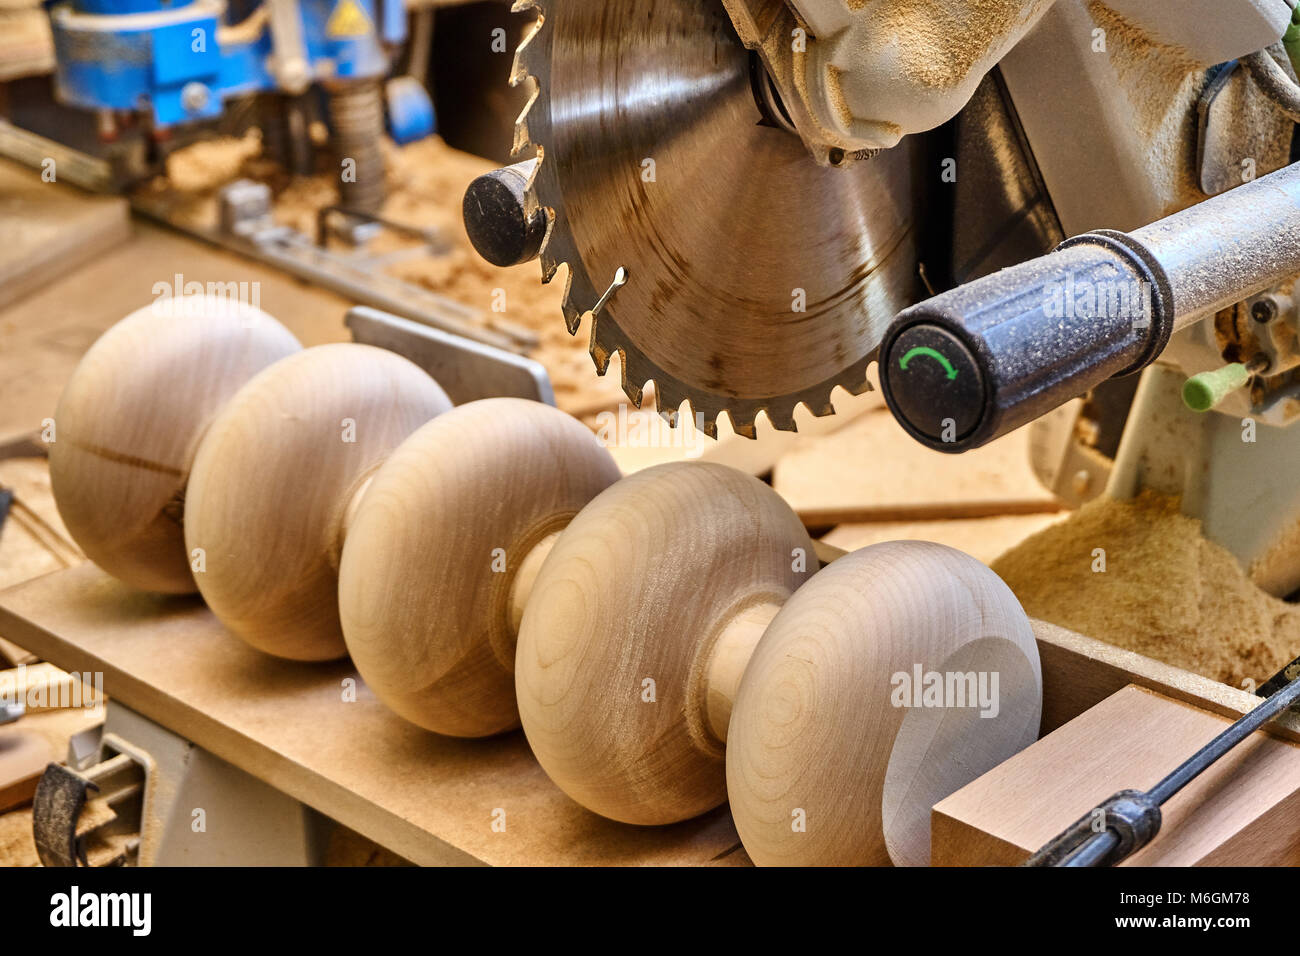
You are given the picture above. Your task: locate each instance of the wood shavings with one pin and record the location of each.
(1166, 592)
(209, 165)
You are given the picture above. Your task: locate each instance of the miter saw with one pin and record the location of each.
(753, 197)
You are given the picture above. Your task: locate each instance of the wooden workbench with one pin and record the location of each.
(427, 798)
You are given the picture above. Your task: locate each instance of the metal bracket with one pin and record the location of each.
(466, 370)
(118, 782)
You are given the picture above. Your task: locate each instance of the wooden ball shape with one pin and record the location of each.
(129, 422)
(274, 480)
(836, 751)
(617, 644)
(441, 546)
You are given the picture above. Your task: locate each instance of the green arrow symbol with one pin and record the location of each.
(932, 353)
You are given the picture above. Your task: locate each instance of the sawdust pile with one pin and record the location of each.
(940, 41)
(1167, 592)
(208, 166)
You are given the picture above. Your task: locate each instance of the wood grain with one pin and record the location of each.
(1240, 812)
(615, 646)
(274, 477)
(432, 558)
(128, 427)
(826, 763)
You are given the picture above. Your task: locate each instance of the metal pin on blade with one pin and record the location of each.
(620, 280)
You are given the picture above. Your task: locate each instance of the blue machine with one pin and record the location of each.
(178, 60)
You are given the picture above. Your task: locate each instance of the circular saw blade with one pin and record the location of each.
(756, 279)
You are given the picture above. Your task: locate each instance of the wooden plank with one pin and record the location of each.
(982, 538)
(427, 798)
(1080, 672)
(44, 336)
(1239, 812)
(47, 229)
(871, 470)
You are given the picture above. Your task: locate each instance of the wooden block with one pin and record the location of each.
(430, 799)
(1239, 812)
(982, 538)
(872, 470)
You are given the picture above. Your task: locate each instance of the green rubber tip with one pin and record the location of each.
(1202, 392)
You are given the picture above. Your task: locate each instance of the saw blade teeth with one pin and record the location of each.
(573, 312)
(821, 407)
(523, 70)
(523, 135)
(635, 377)
(743, 420)
(635, 394)
(708, 425)
(782, 418)
(551, 264)
(860, 388)
(600, 356)
(745, 429)
(669, 415)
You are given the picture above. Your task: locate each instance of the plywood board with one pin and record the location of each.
(1239, 812)
(871, 470)
(427, 798)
